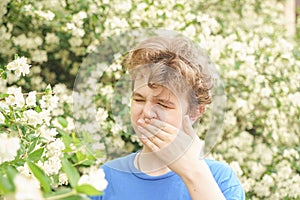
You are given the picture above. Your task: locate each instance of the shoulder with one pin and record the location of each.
(122, 164)
(226, 179)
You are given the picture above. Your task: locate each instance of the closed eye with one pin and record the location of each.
(138, 100)
(164, 105)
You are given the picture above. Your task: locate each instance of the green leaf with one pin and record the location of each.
(38, 109)
(41, 176)
(87, 189)
(33, 144)
(59, 192)
(2, 96)
(65, 137)
(11, 173)
(76, 141)
(36, 155)
(75, 197)
(71, 172)
(63, 122)
(87, 162)
(48, 89)
(4, 75)
(80, 156)
(5, 185)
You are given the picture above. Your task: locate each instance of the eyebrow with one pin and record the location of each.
(165, 101)
(137, 94)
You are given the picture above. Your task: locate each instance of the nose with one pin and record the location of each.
(149, 110)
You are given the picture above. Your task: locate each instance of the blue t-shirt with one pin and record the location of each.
(126, 182)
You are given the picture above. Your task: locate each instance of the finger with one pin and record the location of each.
(152, 146)
(158, 139)
(161, 134)
(144, 132)
(168, 128)
(153, 130)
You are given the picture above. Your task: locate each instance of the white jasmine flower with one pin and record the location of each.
(101, 115)
(31, 99)
(39, 56)
(75, 41)
(70, 26)
(45, 115)
(55, 148)
(15, 98)
(27, 188)
(295, 98)
(268, 180)
(71, 125)
(63, 179)
(79, 16)
(24, 170)
(51, 38)
(96, 178)
(78, 32)
(8, 148)
(48, 133)
(4, 106)
(230, 119)
(20, 66)
(52, 165)
(236, 167)
(2, 118)
(124, 6)
(32, 117)
(12, 78)
(241, 103)
(46, 15)
(49, 102)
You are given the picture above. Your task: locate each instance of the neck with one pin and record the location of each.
(147, 162)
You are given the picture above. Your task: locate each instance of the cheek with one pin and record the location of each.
(134, 112)
(175, 120)
(162, 114)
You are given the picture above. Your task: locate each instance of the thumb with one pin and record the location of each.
(187, 126)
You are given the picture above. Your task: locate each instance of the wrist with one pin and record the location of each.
(199, 169)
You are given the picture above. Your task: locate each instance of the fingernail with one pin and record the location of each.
(143, 137)
(140, 128)
(147, 120)
(141, 121)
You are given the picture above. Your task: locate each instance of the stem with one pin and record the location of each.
(19, 131)
(60, 196)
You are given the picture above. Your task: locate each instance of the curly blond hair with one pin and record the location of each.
(176, 62)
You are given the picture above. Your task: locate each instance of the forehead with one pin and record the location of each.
(167, 80)
(141, 86)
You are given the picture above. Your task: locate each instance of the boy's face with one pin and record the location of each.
(158, 102)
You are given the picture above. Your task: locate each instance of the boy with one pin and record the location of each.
(171, 81)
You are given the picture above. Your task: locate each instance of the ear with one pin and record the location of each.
(196, 113)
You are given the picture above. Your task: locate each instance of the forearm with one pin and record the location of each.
(201, 183)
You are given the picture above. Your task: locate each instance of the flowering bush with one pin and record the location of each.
(246, 40)
(39, 149)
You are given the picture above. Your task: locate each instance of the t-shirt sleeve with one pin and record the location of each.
(232, 188)
(227, 180)
(234, 193)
